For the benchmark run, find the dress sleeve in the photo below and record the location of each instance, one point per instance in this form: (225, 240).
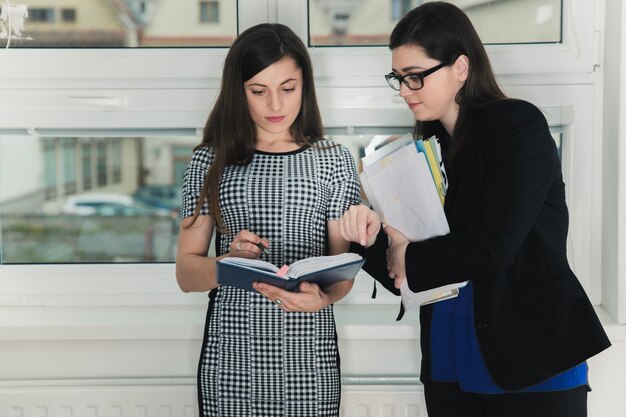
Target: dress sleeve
(345, 185)
(193, 180)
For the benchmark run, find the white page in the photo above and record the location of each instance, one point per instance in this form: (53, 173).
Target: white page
(369, 193)
(412, 300)
(389, 148)
(318, 263)
(405, 194)
(400, 188)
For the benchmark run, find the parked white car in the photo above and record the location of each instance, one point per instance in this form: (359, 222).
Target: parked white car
(103, 204)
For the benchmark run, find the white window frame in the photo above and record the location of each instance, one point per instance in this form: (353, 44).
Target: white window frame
(160, 90)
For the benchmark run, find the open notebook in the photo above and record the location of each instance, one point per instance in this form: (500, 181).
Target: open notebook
(322, 270)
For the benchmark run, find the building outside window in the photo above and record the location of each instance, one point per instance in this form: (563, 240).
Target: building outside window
(87, 166)
(50, 170)
(101, 164)
(120, 24)
(400, 7)
(69, 165)
(369, 22)
(116, 160)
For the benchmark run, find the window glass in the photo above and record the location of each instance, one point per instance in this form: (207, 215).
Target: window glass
(87, 165)
(69, 165)
(52, 210)
(369, 22)
(119, 23)
(361, 145)
(50, 170)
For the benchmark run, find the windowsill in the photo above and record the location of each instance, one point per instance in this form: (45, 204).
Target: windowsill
(55, 323)
(354, 322)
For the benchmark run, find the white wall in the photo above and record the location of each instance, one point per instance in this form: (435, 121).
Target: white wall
(607, 377)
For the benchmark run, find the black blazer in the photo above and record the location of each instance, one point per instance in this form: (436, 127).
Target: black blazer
(508, 219)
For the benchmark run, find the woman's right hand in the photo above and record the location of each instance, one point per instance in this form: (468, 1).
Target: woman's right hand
(360, 224)
(246, 245)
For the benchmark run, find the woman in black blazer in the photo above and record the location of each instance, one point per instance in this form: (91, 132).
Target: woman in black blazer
(516, 340)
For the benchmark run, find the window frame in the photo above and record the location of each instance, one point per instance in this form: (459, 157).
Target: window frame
(577, 53)
(165, 89)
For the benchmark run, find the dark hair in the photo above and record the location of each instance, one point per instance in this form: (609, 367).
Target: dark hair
(229, 129)
(445, 32)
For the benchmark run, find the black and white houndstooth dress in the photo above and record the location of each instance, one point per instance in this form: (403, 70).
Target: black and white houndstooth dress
(257, 360)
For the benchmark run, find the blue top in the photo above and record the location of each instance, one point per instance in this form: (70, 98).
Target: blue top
(456, 356)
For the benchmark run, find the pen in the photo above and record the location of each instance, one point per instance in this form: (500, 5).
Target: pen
(262, 248)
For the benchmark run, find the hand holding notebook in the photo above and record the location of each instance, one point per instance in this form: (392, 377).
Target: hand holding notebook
(322, 270)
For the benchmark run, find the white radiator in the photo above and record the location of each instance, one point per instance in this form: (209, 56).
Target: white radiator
(142, 399)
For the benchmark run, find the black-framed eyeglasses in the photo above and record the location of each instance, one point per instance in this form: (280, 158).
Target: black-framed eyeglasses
(414, 81)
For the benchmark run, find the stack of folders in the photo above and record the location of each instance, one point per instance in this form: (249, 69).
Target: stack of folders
(404, 183)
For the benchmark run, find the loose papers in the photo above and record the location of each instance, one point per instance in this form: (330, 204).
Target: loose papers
(403, 189)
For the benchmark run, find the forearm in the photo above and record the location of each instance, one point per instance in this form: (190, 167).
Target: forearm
(196, 273)
(376, 262)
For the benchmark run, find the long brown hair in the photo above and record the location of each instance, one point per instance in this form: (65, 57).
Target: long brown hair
(229, 129)
(445, 32)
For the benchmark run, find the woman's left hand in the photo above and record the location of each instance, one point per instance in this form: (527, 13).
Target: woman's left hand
(396, 253)
(310, 298)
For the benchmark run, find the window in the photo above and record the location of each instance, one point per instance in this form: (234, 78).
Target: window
(87, 166)
(209, 11)
(517, 21)
(50, 170)
(497, 22)
(68, 15)
(116, 160)
(180, 160)
(145, 96)
(364, 143)
(41, 15)
(400, 7)
(101, 163)
(129, 219)
(121, 24)
(69, 161)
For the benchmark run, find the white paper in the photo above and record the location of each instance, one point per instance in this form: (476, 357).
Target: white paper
(400, 188)
(389, 148)
(405, 195)
(412, 300)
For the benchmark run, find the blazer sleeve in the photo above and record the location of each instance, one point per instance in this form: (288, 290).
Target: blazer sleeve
(375, 261)
(516, 166)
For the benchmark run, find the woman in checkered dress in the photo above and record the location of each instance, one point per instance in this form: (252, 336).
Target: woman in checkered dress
(264, 178)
